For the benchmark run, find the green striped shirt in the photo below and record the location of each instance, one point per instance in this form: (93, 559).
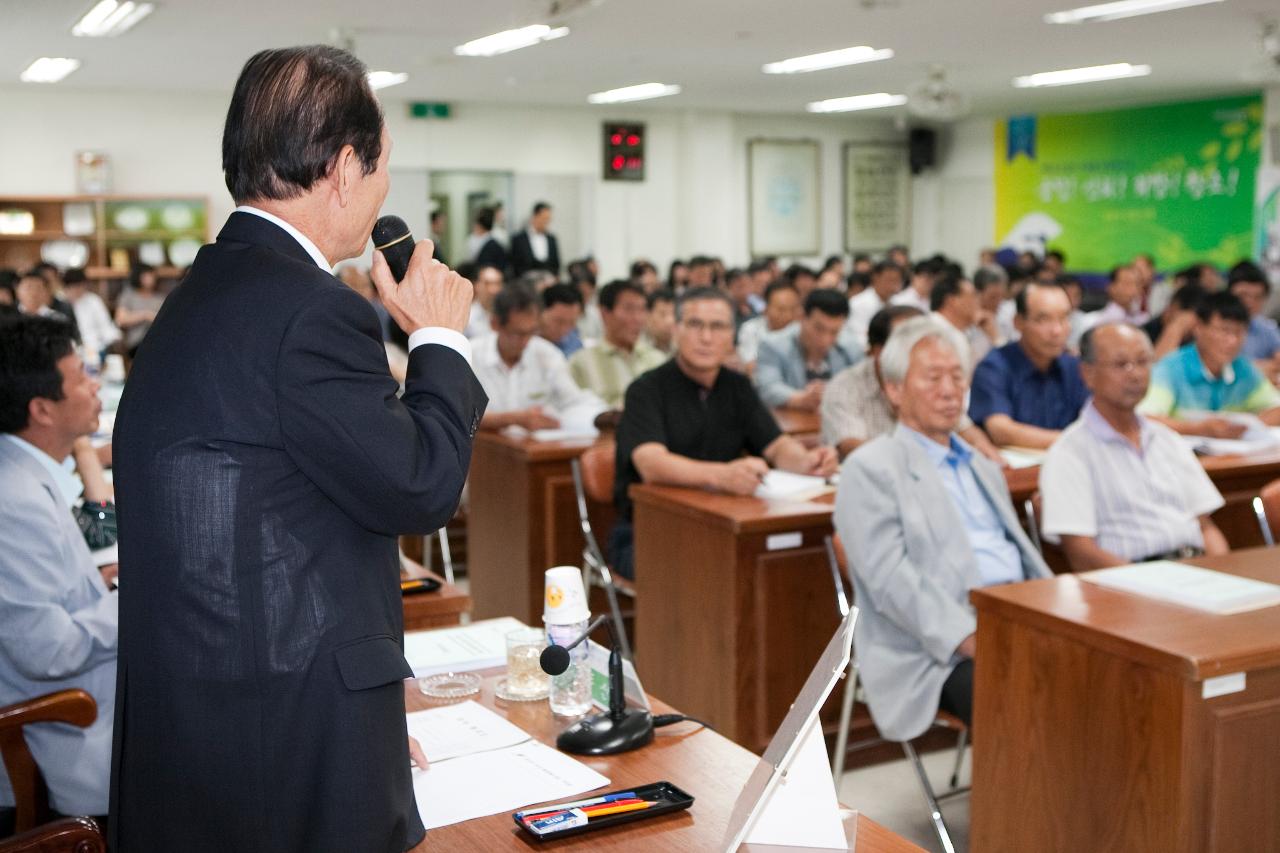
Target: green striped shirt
(606, 370)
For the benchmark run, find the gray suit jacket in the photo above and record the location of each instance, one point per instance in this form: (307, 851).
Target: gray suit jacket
(58, 628)
(780, 367)
(912, 569)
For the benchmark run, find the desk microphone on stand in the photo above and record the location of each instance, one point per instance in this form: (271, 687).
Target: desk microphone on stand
(619, 729)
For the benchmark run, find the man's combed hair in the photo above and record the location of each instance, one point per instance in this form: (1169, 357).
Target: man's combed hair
(292, 111)
(30, 348)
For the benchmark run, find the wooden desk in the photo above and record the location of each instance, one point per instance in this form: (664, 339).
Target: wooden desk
(701, 762)
(734, 604)
(522, 519)
(798, 423)
(1093, 731)
(440, 609)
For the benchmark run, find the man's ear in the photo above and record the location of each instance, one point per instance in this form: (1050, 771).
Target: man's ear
(344, 174)
(894, 392)
(40, 412)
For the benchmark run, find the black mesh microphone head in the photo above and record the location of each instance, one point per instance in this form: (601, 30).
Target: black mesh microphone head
(391, 237)
(554, 660)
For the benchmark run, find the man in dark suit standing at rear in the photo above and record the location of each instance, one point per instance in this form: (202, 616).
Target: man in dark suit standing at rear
(264, 467)
(535, 247)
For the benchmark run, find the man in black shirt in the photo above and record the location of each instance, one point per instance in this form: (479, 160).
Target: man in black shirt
(689, 422)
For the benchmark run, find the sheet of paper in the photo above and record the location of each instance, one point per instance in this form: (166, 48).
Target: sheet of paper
(476, 646)
(461, 729)
(1018, 457)
(783, 485)
(499, 781)
(565, 433)
(1189, 586)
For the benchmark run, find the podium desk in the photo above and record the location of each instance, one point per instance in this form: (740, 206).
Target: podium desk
(522, 519)
(1092, 730)
(734, 604)
(711, 768)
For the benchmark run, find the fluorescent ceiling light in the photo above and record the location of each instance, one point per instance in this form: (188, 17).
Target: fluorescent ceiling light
(1118, 10)
(830, 59)
(49, 69)
(111, 18)
(641, 92)
(509, 40)
(1092, 74)
(383, 79)
(857, 102)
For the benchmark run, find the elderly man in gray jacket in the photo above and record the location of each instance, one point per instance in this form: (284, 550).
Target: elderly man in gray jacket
(58, 620)
(924, 519)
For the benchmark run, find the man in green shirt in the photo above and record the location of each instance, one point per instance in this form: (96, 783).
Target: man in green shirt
(606, 368)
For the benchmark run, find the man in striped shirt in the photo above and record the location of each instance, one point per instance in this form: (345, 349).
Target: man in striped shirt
(1118, 487)
(608, 367)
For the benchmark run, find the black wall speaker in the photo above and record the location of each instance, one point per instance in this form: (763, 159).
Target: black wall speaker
(922, 148)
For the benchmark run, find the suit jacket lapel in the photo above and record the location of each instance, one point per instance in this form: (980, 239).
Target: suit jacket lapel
(940, 515)
(1012, 525)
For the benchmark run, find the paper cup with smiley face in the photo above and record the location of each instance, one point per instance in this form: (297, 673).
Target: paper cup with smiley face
(565, 602)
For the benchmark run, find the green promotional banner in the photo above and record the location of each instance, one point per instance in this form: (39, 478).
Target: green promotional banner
(1175, 181)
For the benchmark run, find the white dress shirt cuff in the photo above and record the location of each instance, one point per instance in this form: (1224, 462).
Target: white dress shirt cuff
(455, 341)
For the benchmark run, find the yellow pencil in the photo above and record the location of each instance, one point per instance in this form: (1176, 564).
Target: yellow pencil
(632, 807)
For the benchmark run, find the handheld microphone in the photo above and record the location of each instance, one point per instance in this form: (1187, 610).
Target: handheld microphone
(391, 237)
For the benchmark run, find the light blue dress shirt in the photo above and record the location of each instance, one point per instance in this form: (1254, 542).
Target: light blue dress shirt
(997, 556)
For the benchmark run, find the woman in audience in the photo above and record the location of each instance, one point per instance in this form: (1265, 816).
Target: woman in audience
(677, 276)
(138, 306)
(97, 332)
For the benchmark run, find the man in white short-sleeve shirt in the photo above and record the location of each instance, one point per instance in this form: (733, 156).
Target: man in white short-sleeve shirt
(1118, 487)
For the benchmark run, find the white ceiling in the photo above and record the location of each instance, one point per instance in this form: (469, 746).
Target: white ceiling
(713, 48)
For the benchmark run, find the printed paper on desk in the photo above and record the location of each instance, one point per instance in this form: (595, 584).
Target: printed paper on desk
(479, 645)
(783, 485)
(489, 783)
(1189, 586)
(1018, 457)
(462, 729)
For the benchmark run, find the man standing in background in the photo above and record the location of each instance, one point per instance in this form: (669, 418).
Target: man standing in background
(535, 247)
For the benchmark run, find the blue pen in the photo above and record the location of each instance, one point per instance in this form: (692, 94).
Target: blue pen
(560, 807)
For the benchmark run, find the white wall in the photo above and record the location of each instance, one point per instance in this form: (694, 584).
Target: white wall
(692, 200)
(953, 204)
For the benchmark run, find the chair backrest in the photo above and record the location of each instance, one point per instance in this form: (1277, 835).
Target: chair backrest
(839, 572)
(67, 835)
(1032, 508)
(1270, 496)
(598, 471)
(31, 797)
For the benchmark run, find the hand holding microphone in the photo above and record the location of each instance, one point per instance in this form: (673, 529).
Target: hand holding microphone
(428, 293)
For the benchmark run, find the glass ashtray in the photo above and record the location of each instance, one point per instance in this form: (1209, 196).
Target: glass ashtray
(503, 691)
(450, 685)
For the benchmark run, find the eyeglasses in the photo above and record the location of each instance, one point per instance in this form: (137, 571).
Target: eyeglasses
(700, 326)
(1127, 366)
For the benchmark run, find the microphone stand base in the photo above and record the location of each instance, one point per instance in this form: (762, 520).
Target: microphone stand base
(600, 734)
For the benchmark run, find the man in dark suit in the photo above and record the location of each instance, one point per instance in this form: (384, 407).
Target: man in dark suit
(535, 247)
(264, 468)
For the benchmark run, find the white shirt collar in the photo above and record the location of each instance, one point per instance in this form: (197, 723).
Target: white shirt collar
(63, 473)
(303, 240)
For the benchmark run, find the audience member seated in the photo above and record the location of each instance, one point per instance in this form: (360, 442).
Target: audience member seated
(1124, 299)
(1249, 283)
(645, 276)
(1080, 320)
(701, 272)
(93, 320)
(924, 521)
(1156, 293)
(138, 306)
(886, 280)
(1174, 327)
(558, 322)
(690, 422)
(1117, 487)
(918, 292)
(487, 282)
(855, 408)
(992, 284)
(526, 378)
(795, 364)
(608, 366)
(1026, 392)
(803, 279)
(781, 310)
(358, 280)
(660, 327)
(582, 279)
(761, 277)
(955, 300)
(738, 286)
(677, 276)
(58, 620)
(1210, 375)
(36, 299)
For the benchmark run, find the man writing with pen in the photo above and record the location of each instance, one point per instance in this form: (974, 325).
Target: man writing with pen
(691, 422)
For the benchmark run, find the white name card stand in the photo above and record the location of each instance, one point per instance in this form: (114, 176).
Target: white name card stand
(790, 799)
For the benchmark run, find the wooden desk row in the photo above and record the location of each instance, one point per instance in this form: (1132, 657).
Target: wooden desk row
(707, 765)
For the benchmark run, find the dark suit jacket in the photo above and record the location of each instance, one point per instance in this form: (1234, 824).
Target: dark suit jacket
(492, 254)
(264, 468)
(522, 259)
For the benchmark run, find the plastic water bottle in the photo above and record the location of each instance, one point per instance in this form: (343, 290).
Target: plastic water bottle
(571, 690)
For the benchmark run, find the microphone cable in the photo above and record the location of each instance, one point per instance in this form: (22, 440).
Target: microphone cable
(671, 719)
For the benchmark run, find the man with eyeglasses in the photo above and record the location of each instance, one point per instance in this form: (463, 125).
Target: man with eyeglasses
(1026, 392)
(1211, 375)
(691, 422)
(1118, 487)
